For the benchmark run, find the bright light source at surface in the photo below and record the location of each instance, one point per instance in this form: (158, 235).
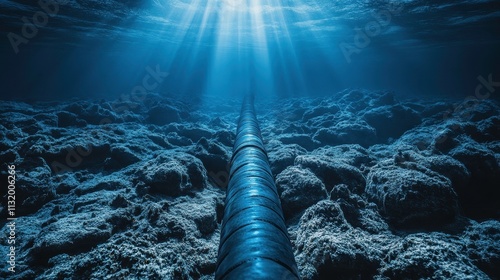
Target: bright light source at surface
(237, 5)
(230, 47)
(246, 44)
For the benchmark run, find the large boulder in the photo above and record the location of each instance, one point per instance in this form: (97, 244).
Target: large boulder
(327, 245)
(282, 156)
(33, 187)
(299, 188)
(357, 211)
(350, 131)
(163, 114)
(479, 198)
(428, 256)
(412, 198)
(173, 173)
(333, 172)
(215, 158)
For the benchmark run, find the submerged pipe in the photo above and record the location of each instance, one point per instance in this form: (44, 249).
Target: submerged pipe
(254, 242)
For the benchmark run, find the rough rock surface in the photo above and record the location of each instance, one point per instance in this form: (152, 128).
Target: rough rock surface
(173, 173)
(481, 243)
(410, 197)
(372, 186)
(428, 256)
(332, 172)
(327, 244)
(299, 188)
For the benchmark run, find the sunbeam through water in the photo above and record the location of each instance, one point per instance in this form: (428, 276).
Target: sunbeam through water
(367, 145)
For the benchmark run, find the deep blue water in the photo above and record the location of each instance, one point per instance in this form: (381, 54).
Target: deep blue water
(103, 49)
(375, 179)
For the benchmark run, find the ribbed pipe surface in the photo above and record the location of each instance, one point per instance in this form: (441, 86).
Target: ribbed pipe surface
(254, 242)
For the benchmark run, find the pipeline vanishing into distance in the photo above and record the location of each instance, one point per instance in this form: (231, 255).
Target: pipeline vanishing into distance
(254, 242)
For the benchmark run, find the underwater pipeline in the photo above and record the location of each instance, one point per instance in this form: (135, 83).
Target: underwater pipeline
(254, 242)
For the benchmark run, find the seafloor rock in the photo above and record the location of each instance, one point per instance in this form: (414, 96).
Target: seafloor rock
(476, 110)
(70, 235)
(160, 140)
(67, 119)
(489, 130)
(392, 121)
(292, 109)
(382, 99)
(437, 109)
(215, 158)
(108, 183)
(352, 154)
(91, 113)
(450, 168)
(303, 140)
(217, 122)
(408, 157)
(299, 188)
(70, 151)
(346, 132)
(479, 198)
(281, 156)
(195, 133)
(202, 213)
(326, 245)
(168, 226)
(320, 110)
(421, 137)
(351, 254)
(325, 214)
(225, 137)
(33, 188)
(122, 156)
(333, 172)
(412, 198)
(160, 242)
(482, 243)
(357, 211)
(163, 114)
(354, 100)
(8, 155)
(327, 120)
(428, 256)
(173, 173)
(134, 253)
(471, 166)
(21, 120)
(294, 128)
(175, 139)
(447, 136)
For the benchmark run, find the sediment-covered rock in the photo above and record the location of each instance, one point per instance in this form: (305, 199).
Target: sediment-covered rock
(173, 174)
(412, 198)
(299, 188)
(282, 156)
(432, 255)
(333, 172)
(326, 244)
